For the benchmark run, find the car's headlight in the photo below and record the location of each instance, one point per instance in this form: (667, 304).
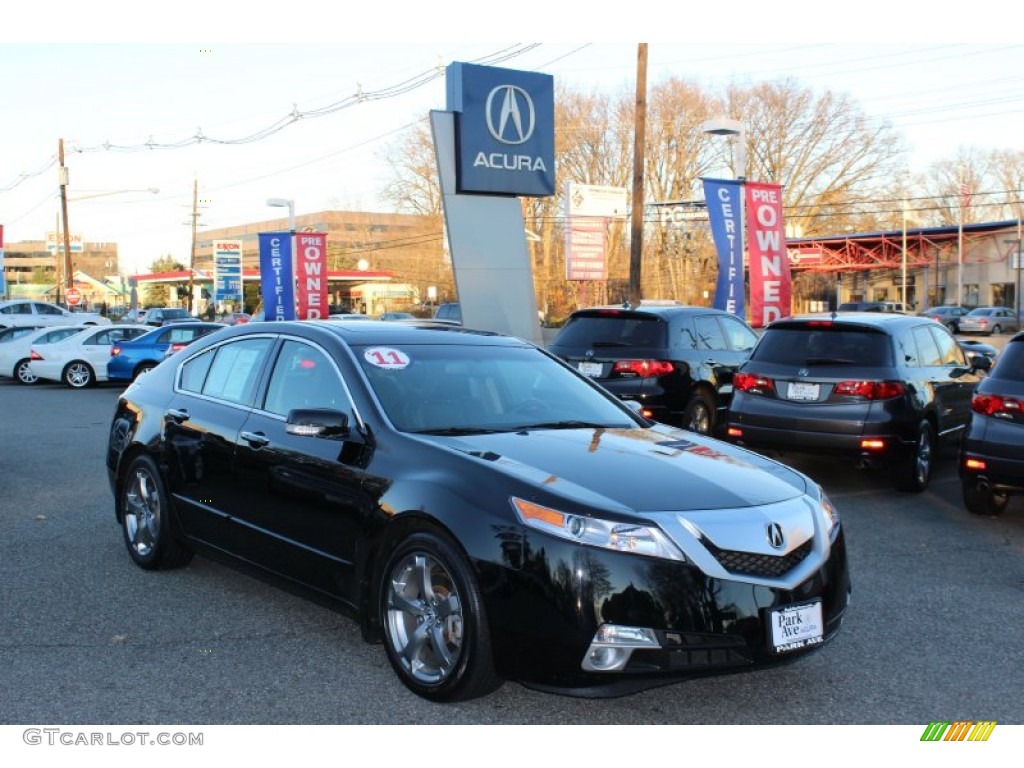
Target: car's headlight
(608, 534)
(831, 514)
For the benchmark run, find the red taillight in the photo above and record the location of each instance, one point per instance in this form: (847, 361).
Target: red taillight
(644, 368)
(995, 405)
(33, 355)
(177, 347)
(820, 323)
(747, 382)
(115, 351)
(871, 390)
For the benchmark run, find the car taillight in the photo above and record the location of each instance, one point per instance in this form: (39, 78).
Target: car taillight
(644, 368)
(748, 382)
(871, 390)
(176, 347)
(33, 355)
(115, 351)
(995, 405)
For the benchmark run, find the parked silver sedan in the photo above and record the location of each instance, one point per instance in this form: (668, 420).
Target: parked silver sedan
(989, 320)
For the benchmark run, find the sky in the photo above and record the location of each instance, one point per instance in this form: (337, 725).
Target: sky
(129, 99)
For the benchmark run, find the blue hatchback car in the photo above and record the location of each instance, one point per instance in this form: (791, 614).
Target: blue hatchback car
(129, 359)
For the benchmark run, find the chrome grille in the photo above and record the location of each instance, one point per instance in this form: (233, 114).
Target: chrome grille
(756, 564)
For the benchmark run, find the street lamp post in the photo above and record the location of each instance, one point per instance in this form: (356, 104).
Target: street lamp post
(737, 134)
(284, 202)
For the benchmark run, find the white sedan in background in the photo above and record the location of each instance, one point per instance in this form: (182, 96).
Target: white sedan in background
(15, 354)
(81, 360)
(30, 312)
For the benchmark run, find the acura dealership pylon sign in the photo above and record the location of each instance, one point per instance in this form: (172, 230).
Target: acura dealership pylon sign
(504, 130)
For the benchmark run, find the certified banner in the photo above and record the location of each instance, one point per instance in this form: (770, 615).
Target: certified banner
(277, 278)
(227, 272)
(770, 283)
(311, 271)
(725, 213)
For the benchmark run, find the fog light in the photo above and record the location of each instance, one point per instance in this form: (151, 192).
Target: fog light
(613, 645)
(872, 444)
(734, 432)
(975, 464)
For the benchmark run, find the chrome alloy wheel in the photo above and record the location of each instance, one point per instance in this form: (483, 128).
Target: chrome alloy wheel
(923, 457)
(78, 375)
(23, 372)
(424, 617)
(142, 512)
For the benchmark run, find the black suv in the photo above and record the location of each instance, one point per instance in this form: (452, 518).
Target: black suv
(880, 388)
(675, 361)
(991, 462)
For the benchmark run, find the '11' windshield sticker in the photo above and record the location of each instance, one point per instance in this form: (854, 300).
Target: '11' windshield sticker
(386, 357)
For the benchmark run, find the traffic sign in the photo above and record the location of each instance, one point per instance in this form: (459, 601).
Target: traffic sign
(72, 296)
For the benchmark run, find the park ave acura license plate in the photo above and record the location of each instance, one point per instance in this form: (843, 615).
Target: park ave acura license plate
(796, 626)
(589, 369)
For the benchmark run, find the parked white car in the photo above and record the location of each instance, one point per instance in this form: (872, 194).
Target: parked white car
(14, 355)
(81, 359)
(30, 312)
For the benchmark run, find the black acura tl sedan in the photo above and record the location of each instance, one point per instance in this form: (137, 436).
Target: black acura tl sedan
(478, 506)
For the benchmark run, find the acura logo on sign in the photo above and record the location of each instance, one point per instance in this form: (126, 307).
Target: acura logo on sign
(775, 536)
(510, 114)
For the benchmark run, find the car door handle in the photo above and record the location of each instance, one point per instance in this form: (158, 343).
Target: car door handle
(255, 439)
(177, 415)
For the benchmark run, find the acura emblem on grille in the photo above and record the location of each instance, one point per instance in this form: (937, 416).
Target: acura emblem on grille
(775, 536)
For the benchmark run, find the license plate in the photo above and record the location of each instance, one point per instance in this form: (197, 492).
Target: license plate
(796, 626)
(590, 369)
(799, 390)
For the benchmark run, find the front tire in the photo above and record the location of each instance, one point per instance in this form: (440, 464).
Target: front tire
(78, 375)
(433, 620)
(145, 519)
(23, 372)
(912, 472)
(985, 501)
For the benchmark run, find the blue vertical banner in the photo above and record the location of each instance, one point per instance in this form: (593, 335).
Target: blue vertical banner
(227, 272)
(725, 213)
(277, 275)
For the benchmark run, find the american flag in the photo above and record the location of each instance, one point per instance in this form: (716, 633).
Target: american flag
(965, 194)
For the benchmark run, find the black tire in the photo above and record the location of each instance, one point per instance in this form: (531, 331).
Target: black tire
(143, 368)
(996, 329)
(78, 375)
(913, 472)
(699, 414)
(23, 372)
(433, 621)
(952, 327)
(983, 501)
(146, 521)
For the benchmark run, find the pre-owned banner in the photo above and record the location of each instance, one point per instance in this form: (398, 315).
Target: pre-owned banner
(725, 213)
(311, 273)
(277, 278)
(770, 284)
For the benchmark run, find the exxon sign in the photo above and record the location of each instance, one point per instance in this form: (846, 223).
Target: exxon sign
(504, 130)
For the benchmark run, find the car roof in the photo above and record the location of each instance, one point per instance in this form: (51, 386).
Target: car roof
(368, 332)
(661, 310)
(880, 320)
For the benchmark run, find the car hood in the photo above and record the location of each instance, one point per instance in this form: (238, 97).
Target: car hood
(635, 470)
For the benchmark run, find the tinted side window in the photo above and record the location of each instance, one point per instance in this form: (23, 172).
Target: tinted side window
(193, 373)
(949, 351)
(303, 377)
(235, 370)
(45, 309)
(927, 349)
(740, 337)
(906, 350)
(1011, 363)
(709, 333)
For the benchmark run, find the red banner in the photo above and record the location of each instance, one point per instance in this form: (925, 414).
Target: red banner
(770, 285)
(311, 275)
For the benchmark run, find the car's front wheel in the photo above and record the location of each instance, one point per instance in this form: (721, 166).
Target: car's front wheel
(912, 472)
(145, 519)
(433, 619)
(699, 414)
(78, 375)
(23, 372)
(982, 500)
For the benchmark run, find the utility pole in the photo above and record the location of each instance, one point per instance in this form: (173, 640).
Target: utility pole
(636, 243)
(69, 277)
(192, 256)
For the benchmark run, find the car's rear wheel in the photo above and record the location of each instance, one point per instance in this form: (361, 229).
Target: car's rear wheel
(78, 375)
(699, 414)
(145, 519)
(952, 327)
(433, 619)
(982, 500)
(912, 472)
(144, 368)
(23, 372)
(996, 329)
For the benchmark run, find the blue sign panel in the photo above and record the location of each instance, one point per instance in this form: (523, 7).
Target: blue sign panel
(277, 276)
(504, 130)
(725, 214)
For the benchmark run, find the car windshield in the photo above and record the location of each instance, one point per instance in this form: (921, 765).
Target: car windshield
(174, 314)
(824, 345)
(455, 389)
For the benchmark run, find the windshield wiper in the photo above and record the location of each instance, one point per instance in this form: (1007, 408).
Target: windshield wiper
(568, 424)
(459, 431)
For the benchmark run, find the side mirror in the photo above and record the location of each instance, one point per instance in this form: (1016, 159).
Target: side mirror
(979, 362)
(317, 422)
